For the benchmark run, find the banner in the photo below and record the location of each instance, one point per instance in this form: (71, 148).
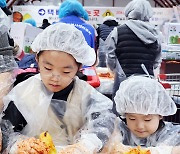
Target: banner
(96, 14)
(38, 13)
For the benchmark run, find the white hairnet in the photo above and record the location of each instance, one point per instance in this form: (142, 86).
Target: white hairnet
(66, 38)
(139, 10)
(143, 95)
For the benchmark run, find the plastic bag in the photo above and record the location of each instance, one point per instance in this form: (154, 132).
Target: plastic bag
(114, 140)
(4, 20)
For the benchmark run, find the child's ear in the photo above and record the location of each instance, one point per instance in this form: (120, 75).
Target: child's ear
(160, 117)
(37, 60)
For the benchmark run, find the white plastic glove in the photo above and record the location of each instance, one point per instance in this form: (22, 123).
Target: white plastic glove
(161, 150)
(176, 150)
(88, 144)
(119, 148)
(13, 149)
(76, 148)
(91, 142)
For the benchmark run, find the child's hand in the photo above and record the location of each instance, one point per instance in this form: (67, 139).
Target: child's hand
(119, 148)
(163, 150)
(176, 150)
(77, 148)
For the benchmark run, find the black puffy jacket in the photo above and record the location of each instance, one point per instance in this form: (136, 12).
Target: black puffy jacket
(105, 29)
(132, 52)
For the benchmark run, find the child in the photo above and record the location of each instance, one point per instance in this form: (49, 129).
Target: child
(142, 102)
(56, 100)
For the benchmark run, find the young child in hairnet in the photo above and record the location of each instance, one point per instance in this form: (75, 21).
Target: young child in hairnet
(142, 102)
(56, 100)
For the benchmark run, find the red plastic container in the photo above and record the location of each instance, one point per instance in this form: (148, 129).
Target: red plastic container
(92, 77)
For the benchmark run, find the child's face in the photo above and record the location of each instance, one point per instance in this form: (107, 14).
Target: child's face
(57, 69)
(141, 125)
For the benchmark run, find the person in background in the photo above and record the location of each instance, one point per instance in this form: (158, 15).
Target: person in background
(56, 100)
(142, 102)
(7, 66)
(4, 20)
(109, 22)
(134, 47)
(3, 6)
(45, 24)
(72, 12)
(30, 21)
(17, 17)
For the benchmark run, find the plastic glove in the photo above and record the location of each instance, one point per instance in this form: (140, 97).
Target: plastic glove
(77, 148)
(91, 141)
(88, 144)
(176, 150)
(119, 148)
(161, 150)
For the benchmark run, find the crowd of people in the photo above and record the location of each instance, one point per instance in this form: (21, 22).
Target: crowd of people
(80, 119)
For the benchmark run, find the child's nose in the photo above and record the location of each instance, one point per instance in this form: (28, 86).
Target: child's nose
(140, 125)
(55, 77)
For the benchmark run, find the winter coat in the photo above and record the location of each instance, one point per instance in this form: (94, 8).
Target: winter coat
(131, 52)
(105, 29)
(126, 52)
(102, 33)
